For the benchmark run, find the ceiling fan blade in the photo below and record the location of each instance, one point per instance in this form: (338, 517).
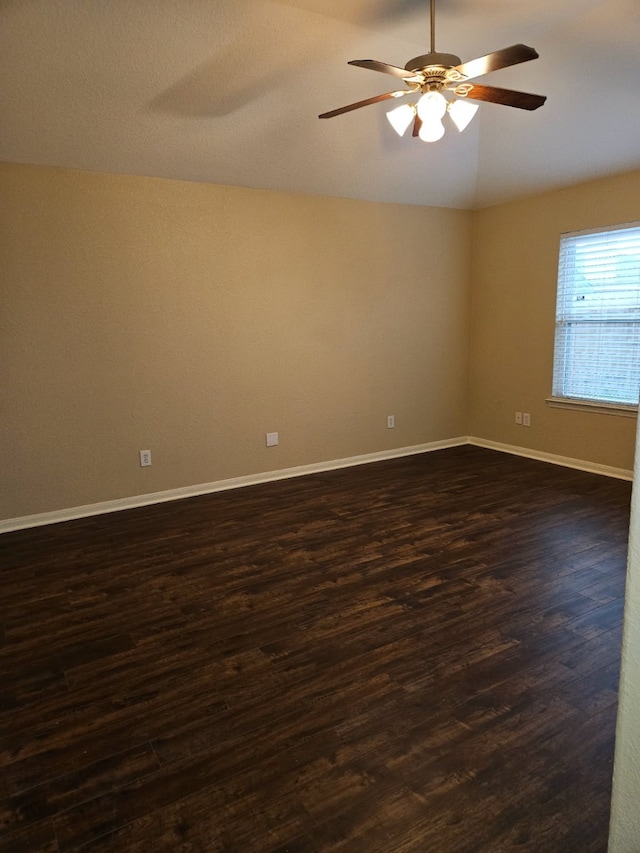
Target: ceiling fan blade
(417, 124)
(358, 104)
(374, 65)
(508, 97)
(499, 59)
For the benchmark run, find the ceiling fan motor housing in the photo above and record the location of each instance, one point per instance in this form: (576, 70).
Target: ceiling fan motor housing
(446, 60)
(435, 70)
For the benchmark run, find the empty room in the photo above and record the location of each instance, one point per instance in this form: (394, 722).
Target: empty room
(318, 426)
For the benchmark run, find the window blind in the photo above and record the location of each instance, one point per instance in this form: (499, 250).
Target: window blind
(597, 341)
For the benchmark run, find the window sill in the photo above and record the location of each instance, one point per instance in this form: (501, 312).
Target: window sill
(620, 409)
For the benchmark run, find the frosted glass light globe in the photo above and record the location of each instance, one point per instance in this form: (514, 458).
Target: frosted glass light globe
(401, 118)
(431, 108)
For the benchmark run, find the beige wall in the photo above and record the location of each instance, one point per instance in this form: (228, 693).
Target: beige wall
(191, 319)
(515, 260)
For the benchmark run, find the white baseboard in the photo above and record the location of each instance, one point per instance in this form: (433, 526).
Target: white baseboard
(565, 461)
(44, 518)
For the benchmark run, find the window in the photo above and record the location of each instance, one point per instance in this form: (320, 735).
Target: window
(597, 342)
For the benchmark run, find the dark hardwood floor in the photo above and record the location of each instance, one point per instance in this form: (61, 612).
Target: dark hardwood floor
(419, 655)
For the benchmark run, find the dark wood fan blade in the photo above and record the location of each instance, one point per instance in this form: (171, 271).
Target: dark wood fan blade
(374, 65)
(508, 97)
(499, 59)
(417, 124)
(358, 104)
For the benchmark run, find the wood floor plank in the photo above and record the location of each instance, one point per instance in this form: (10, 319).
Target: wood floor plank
(38, 837)
(74, 788)
(418, 654)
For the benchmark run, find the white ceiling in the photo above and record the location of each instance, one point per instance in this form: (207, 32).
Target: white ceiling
(228, 91)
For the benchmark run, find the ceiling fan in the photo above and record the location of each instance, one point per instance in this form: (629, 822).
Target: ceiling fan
(433, 74)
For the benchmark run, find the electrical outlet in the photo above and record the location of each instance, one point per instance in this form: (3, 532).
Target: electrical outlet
(391, 421)
(518, 417)
(526, 419)
(145, 458)
(272, 439)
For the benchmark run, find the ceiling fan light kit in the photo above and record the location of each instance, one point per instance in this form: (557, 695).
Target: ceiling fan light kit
(434, 75)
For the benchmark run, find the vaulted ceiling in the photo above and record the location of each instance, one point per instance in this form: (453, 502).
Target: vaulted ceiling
(228, 91)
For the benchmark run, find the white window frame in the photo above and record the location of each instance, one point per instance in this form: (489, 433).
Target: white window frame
(579, 320)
